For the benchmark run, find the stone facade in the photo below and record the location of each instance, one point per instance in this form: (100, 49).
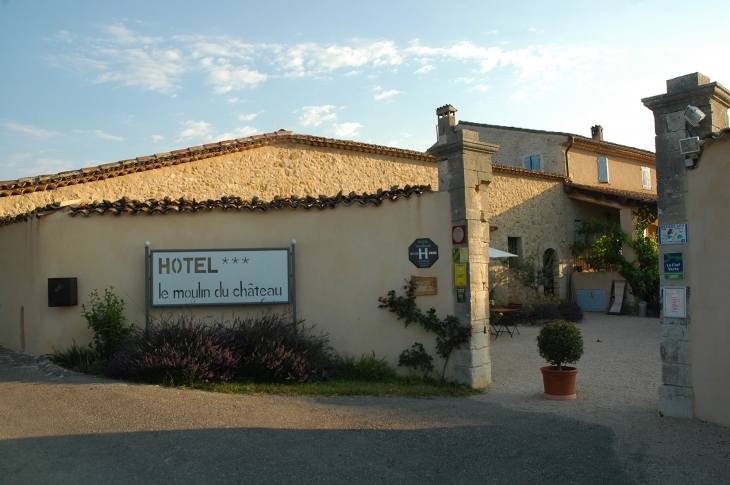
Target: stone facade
(533, 208)
(266, 172)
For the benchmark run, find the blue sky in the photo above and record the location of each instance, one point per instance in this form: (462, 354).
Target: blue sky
(91, 82)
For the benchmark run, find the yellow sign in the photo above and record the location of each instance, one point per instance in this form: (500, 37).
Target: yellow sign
(460, 274)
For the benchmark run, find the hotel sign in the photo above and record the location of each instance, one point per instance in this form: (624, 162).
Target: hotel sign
(219, 277)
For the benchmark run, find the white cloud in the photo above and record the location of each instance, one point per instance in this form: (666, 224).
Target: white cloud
(233, 100)
(387, 94)
(248, 116)
(43, 166)
(15, 158)
(196, 129)
(316, 115)
(240, 132)
(355, 72)
(466, 80)
(425, 69)
(346, 129)
(122, 35)
(309, 58)
(157, 138)
(29, 129)
(481, 87)
(100, 134)
(227, 78)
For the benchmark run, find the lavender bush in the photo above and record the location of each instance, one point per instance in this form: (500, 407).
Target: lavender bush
(263, 349)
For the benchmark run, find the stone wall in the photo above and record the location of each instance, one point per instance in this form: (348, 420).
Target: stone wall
(535, 209)
(264, 172)
(516, 144)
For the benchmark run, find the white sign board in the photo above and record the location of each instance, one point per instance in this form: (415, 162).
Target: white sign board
(675, 301)
(220, 277)
(673, 233)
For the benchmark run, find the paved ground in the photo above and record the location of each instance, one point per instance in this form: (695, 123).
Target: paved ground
(60, 427)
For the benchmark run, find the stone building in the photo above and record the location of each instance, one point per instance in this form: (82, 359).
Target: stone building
(545, 184)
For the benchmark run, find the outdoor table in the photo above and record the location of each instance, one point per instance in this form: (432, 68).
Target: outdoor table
(503, 324)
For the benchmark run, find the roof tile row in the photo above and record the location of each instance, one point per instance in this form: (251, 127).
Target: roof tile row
(153, 206)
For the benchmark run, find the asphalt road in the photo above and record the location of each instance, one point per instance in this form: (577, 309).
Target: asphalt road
(66, 428)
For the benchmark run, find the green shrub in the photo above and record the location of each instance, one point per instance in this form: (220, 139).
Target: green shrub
(106, 318)
(417, 360)
(560, 343)
(367, 368)
(77, 358)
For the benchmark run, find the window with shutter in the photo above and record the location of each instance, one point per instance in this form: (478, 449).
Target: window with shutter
(533, 161)
(603, 169)
(646, 177)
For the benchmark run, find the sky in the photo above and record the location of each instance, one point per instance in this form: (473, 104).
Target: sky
(89, 82)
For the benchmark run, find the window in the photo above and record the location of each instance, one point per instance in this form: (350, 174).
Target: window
(514, 246)
(577, 226)
(603, 169)
(533, 161)
(646, 177)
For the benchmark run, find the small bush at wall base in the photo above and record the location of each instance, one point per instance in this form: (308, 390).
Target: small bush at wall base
(105, 316)
(417, 360)
(77, 358)
(367, 368)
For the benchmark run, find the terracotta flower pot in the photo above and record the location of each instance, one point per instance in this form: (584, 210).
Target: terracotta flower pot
(559, 384)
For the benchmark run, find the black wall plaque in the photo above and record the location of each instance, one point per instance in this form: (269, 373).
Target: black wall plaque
(62, 292)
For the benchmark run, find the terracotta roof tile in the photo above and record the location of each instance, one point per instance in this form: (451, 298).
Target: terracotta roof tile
(526, 171)
(152, 206)
(597, 192)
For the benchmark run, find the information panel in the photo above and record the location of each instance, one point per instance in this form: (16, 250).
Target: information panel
(219, 277)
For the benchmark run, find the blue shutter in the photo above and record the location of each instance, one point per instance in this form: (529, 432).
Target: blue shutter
(603, 169)
(532, 162)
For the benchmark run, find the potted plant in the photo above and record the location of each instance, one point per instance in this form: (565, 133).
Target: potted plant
(559, 343)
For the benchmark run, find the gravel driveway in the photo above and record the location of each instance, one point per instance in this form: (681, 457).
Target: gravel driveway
(60, 427)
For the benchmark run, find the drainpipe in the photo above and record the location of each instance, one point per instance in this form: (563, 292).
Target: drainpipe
(567, 165)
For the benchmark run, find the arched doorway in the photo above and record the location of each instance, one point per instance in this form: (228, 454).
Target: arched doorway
(549, 271)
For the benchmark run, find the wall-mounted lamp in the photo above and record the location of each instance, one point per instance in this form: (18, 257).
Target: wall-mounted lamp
(691, 148)
(693, 115)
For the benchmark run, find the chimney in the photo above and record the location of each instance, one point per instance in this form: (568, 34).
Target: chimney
(447, 120)
(597, 132)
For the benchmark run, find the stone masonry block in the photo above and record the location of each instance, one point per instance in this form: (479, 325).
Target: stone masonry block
(479, 339)
(471, 358)
(670, 164)
(676, 374)
(474, 377)
(672, 209)
(675, 121)
(674, 186)
(675, 351)
(675, 401)
(669, 142)
(686, 82)
(458, 205)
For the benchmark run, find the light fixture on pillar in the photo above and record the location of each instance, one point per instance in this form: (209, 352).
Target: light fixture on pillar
(693, 115)
(691, 148)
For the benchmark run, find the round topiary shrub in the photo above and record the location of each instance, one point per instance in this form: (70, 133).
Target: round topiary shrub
(560, 343)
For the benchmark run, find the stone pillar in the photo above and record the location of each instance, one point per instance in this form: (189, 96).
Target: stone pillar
(628, 225)
(465, 170)
(675, 392)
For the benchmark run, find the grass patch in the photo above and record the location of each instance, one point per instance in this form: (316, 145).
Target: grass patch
(78, 359)
(394, 386)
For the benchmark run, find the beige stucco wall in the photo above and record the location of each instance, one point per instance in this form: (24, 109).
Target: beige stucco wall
(623, 173)
(706, 272)
(264, 172)
(347, 257)
(534, 209)
(515, 145)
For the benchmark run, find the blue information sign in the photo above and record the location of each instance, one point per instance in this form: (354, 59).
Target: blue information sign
(673, 266)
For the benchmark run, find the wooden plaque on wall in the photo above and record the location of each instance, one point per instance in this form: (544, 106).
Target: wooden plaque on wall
(425, 285)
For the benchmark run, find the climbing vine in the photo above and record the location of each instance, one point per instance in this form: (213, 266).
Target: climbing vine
(450, 333)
